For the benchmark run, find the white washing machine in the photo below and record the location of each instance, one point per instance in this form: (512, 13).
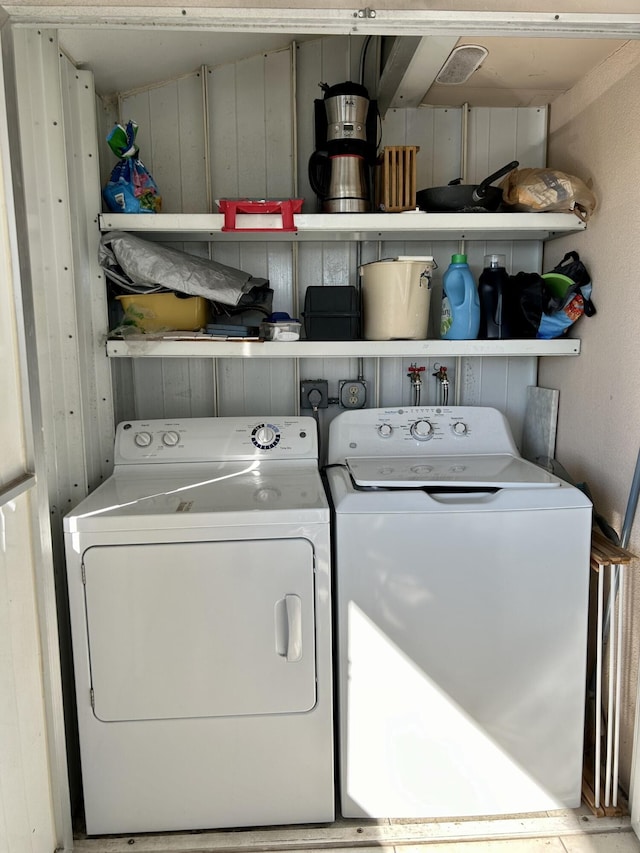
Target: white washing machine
(461, 576)
(200, 597)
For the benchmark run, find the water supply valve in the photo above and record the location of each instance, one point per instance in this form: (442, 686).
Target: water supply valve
(414, 375)
(443, 379)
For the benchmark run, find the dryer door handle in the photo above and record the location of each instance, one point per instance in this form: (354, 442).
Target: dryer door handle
(293, 605)
(289, 628)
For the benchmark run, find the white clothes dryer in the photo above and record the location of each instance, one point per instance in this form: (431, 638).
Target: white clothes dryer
(200, 603)
(461, 582)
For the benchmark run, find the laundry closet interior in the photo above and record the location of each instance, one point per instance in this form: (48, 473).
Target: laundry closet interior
(225, 109)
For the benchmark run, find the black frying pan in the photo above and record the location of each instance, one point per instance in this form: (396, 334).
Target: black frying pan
(465, 198)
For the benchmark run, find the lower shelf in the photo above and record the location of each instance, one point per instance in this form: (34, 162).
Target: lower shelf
(205, 347)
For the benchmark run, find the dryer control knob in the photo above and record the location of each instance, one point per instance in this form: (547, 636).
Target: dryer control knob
(171, 438)
(422, 430)
(460, 428)
(385, 430)
(143, 439)
(265, 436)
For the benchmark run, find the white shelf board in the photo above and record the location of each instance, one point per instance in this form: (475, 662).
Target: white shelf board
(412, 225)
(207, 348)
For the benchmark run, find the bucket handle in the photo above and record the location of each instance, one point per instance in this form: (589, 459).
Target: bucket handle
(434, 265)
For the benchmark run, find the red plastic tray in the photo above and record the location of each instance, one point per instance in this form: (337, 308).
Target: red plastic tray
(286, 208)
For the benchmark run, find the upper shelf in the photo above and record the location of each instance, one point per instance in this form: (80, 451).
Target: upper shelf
(208, 347)
(412, 225)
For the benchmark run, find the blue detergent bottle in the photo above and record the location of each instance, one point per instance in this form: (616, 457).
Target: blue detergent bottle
(460, 317)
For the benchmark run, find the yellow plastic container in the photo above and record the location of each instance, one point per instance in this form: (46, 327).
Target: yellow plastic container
(152, 312)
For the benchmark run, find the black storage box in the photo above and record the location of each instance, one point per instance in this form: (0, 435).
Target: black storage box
(331, 313)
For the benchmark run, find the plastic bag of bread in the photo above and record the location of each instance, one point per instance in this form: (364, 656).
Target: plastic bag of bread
(547, 190)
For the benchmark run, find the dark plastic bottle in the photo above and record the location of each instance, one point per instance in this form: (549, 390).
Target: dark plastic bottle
(492, 290)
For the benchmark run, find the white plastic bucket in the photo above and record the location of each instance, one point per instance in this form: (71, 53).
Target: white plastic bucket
(396, 295)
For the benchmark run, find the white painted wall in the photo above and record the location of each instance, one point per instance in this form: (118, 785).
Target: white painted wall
(594, 131)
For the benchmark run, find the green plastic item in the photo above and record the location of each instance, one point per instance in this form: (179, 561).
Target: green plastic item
(458, 259)
(557, 283)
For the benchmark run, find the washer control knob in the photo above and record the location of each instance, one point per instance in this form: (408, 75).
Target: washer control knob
(265, 436)
(460, 428)
(421, 430)
(385, 430)
(143, 439)
(171, 438)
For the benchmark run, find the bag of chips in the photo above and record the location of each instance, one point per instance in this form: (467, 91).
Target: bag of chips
(130, 188)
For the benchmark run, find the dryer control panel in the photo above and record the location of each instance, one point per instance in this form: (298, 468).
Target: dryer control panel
(411, 430)
(215, 440)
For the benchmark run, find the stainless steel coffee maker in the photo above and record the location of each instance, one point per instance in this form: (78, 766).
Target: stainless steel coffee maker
(340, 167)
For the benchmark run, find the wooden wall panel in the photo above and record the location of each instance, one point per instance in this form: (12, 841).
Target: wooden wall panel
(171, 138)
(106, 117)
(252, 156)
(257, 387)
(499, 135)
(194, 180)
(171, 388)
(279, 160)
(223, 131)
(438, 133)
(251, 127)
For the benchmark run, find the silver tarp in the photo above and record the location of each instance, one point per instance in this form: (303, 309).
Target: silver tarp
(140, 266)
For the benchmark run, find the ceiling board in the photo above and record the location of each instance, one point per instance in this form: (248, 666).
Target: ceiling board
(524, 71)
(123, 60)
(518, 71)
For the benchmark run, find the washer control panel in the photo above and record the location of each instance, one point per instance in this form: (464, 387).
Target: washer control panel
(411, 430)
(215, 440)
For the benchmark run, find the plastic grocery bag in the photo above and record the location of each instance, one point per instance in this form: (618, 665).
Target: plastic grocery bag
(565, 309)
(536, 311)
(547, 190)
(130, 189)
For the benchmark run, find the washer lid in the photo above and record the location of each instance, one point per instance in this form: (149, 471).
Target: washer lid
(495, 471)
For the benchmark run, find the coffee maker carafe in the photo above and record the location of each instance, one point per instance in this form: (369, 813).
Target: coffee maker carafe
(345, 129)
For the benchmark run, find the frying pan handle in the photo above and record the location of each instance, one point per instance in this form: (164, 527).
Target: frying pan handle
(481, 190)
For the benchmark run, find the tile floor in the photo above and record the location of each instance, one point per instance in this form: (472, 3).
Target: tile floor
(570, 831)
(618, 842)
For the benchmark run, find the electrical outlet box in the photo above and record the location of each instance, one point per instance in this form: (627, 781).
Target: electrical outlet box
(353, 393)
(314, 394)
